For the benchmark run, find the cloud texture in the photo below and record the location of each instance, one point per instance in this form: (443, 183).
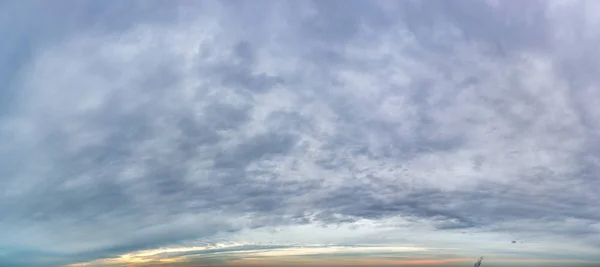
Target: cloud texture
(432, 124)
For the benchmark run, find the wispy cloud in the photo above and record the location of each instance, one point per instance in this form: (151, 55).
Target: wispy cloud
(133, 126)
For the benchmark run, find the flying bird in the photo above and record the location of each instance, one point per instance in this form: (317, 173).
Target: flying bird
(478, 263)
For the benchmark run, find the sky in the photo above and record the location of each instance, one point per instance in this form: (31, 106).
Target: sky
(299, 133)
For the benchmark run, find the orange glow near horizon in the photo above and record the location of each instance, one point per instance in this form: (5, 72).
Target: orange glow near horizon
(146, 256)
(294, 256)
(341, 262)
(326, 259)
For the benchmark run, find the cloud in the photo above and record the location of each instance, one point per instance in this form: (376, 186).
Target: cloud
(196, 121)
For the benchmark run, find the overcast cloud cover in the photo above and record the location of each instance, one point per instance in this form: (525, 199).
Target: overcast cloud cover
(299, 132)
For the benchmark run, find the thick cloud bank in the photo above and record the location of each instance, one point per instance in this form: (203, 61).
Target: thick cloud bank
(129, 126)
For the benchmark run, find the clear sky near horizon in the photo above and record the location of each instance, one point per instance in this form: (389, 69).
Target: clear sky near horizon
(299, 133)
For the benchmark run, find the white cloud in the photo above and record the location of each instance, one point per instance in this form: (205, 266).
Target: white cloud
(213, 127)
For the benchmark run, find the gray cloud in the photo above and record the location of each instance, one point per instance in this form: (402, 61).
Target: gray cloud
(181, 122)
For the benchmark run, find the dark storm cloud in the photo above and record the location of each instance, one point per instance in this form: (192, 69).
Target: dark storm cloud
(144, 131)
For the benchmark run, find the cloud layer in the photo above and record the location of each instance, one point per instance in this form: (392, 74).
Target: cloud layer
(135, 126)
